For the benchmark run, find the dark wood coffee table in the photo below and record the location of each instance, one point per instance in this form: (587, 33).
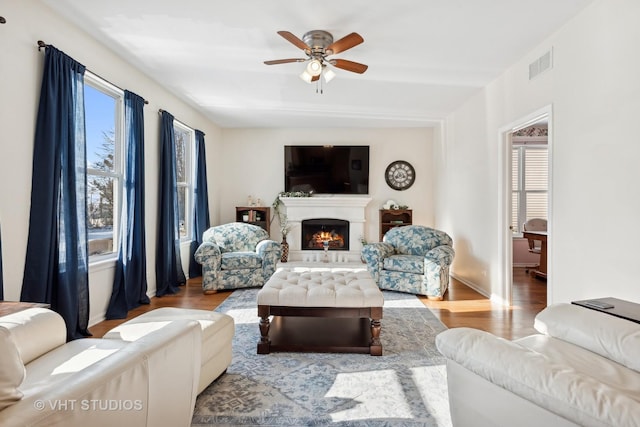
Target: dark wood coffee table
(316, 311)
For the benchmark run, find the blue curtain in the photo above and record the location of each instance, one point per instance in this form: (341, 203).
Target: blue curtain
(200, 205)
(169, 274)
(130, 280)
(56, 266)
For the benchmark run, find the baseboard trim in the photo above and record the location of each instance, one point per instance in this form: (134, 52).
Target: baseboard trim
(471, 285)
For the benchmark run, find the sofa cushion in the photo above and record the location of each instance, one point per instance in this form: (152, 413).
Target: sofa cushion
(47, 325)
(12, 370)
(240, 260)
(536, 377)
(405, 263)
(585, 362)
(235, 237)
(609, 336)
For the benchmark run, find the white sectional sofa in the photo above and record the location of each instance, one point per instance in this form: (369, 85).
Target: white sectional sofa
(217, 334)
(583, 368)
(150, 380)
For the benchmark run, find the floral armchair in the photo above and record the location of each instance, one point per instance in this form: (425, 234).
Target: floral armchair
(236, 255)
(413, 259)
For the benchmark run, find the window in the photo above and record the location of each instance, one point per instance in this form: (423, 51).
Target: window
(104, 139)
(185, 141)
(529, 183)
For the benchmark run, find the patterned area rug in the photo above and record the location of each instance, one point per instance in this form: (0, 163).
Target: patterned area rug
(405, 387)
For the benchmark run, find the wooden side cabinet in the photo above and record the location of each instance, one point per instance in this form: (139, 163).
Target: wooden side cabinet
(390, 218)
(256, 215)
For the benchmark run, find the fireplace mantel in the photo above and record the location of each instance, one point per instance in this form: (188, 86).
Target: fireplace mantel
(327, 201)
(350, 208)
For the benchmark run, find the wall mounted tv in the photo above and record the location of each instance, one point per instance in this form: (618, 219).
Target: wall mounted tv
(327, 169)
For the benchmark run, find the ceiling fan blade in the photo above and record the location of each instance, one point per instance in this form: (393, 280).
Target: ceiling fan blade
(294, 40)
(284, 61)
(354, 67)
(347, 42)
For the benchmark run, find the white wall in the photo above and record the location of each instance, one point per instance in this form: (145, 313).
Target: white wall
(254, 165)
(20, 74)
(594, 88)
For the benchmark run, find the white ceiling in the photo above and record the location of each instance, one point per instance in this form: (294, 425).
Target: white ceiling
(425, 57)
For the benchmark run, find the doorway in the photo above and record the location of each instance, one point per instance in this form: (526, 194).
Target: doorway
(525, 144)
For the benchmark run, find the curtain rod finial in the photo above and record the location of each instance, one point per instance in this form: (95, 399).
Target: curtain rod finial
(2, 20)
(41, 44)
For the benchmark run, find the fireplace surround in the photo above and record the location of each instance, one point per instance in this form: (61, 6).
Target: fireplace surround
(349, 208)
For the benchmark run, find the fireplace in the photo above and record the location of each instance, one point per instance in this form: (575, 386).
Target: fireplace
(350, 209)
(320, 232)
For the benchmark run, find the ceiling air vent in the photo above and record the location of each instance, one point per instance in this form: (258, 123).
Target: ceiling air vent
(540, 65)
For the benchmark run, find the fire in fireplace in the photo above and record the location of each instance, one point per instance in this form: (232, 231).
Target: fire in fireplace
(316, 233)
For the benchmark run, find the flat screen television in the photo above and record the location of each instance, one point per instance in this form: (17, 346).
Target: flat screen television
(327, 169)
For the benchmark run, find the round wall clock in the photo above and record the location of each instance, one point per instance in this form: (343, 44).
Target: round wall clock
(400, 175)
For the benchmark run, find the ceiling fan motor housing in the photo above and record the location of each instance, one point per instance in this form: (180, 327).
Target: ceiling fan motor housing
(317, 40)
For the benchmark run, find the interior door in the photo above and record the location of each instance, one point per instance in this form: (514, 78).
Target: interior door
(508, 135)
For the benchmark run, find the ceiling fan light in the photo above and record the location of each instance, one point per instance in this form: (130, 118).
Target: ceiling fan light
(328, 75)
(306, 76)
(314, 67)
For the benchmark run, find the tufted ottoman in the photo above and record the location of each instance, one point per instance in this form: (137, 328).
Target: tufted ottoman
(320, 310)
(217, 334)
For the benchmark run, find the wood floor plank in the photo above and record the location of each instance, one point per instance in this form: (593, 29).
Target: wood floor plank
(461, 306)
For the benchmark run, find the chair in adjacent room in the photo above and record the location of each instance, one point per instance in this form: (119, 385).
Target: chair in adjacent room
(535, 246)
(413, 259)
(236, 255)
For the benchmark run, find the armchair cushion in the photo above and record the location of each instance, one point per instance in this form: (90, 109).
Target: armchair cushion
(240, 260)
(235, 237)
(407, 263)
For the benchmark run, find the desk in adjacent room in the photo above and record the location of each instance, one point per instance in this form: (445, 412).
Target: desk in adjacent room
(541, 236)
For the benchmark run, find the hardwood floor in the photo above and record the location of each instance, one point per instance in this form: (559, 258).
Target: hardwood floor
(461, 306)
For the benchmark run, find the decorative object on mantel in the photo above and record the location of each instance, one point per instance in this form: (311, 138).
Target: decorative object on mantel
(282, 218)
(400, 175)
(277, 203)
(284, 230)
(285, 249)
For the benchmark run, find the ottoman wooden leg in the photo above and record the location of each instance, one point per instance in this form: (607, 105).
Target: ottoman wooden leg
(375, 344)
(264, 346)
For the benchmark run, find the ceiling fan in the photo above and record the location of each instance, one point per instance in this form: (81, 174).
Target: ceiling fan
(318, 45)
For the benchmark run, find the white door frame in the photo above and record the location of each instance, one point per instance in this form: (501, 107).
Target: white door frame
(505, 238)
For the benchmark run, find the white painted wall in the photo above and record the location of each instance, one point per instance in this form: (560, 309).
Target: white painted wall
(594, 88)
(20, 75)
(254, 165)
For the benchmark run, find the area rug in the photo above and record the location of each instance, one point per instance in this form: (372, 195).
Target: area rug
(406, 386)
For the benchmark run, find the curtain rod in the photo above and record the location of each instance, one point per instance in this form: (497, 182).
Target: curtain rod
(42, 45)
(160, 111)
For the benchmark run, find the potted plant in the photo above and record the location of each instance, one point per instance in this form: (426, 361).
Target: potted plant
(285, 227)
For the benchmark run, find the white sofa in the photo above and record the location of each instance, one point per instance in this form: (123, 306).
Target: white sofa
(583, 368)
(147, 381)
